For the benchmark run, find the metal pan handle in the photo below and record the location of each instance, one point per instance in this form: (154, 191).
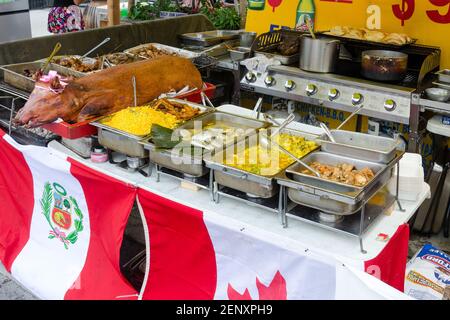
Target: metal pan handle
(237, 175)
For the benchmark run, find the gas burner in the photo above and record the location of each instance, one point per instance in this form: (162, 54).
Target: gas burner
(346, 89)
(329, 218)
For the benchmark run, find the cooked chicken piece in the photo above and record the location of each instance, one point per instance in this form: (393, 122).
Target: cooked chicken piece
(360, 179)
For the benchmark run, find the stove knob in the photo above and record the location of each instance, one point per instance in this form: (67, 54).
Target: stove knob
(357, 98)
(390, 105)
(311, 89)
(333, 94)
(269, 81)
(250, 77)
(289, 85)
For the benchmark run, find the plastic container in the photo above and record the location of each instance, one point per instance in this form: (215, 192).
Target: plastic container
(99, 155)
(411, 177)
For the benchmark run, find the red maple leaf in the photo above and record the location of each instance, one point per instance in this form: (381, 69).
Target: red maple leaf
(276, 290)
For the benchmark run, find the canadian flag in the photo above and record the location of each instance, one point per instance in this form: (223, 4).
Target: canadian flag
(203, 255)
(61, 224)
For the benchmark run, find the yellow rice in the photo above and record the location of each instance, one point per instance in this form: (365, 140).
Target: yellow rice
(139, 120)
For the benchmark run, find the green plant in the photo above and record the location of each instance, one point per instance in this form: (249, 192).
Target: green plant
(223, 18)
(148, 11)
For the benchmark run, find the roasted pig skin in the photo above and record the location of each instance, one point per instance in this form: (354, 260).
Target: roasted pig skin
(109, 90)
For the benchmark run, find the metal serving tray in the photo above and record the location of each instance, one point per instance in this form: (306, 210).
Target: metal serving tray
(62, 69)
(250, 183)
(127, 143)
(13, 74)
(208, 38)
(284, 60)
(168, 49)
(330, 196)
(192, 163)
(444, 75)
(360, 146)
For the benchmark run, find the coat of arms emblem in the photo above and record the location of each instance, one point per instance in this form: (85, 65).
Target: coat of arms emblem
(62, 214)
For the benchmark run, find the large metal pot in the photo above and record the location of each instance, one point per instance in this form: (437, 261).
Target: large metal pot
(318, 55)
(384, 65)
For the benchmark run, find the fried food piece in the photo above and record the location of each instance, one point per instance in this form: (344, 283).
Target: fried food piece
(373, 35)
(344, 172)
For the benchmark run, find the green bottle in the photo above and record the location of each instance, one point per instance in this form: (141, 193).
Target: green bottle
(305, 11)
(256, 4)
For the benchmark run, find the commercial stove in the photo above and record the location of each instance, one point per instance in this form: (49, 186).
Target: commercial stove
(346, 89)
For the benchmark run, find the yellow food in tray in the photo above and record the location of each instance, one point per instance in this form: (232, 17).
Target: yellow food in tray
(139, 120)
(269, 161)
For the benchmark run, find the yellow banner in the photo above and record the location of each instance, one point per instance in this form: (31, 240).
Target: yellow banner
(425, 20)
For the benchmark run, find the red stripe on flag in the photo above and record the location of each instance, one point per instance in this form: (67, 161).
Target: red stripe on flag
(390, 265)
(16, 202)
(109, 203)
(182, 257)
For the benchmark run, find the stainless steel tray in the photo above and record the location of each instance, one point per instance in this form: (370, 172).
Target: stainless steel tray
(250, 183)
(13, 74)
(208, 38)
(333, 197)
(61, 68)
(192, 163)
(239, 53)
(360, 146)
(127, 143)
(170, 50)
(444, 75)
(284, 60)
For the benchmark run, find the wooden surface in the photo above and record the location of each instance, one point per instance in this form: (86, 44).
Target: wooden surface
(113, 12)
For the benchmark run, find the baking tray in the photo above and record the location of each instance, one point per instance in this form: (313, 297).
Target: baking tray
(444, 75)
(247, 182)
(284, 60)
(61, 68)
(360, 146)
(366, 42)
(192, 164)
(168, 49)
(208, 38)
(13, 74)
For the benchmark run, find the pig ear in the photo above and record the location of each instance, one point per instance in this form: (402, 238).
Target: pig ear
(96, 106)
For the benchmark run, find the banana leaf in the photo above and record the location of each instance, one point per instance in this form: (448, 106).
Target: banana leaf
(163, 138)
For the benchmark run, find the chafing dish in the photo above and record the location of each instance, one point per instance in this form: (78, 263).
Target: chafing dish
(167, 49)
(208, 38)
(187, 158)
(252, 184)
(331, 196)
(360, 146)
(13, 74)
(127, 143)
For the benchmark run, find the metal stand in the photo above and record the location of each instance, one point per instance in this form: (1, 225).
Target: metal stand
(361, 229)
(397, 188)
(282, 206)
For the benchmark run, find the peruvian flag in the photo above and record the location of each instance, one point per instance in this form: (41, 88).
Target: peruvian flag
(202, 255)
(61, 224)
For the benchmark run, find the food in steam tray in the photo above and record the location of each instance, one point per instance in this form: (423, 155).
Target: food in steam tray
(370, 35)
(265, 161)
(344, 172)
(151, 52)
(120, 58)
(78, 64)
(289, 46)
(139, 120)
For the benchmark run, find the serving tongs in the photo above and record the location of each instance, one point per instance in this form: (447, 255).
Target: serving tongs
(54, 52)
(264, 140)
(327, 130)
(95, 48)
